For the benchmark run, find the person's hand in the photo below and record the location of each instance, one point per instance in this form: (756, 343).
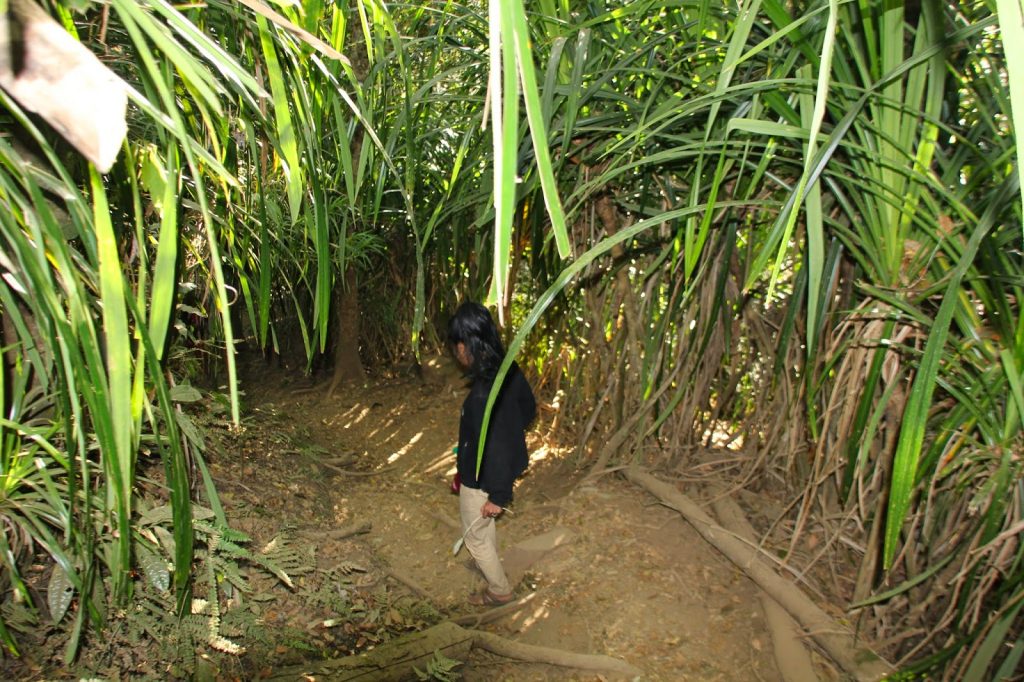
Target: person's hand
(490, 510)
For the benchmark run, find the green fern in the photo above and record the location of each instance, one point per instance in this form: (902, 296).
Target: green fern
(332, 590)
(19, 616)
(440, 668)
(223, 558)
(149, 622)
(224, 551)
(419, 614)
(283, 559)
(216, 541)
(278, 558)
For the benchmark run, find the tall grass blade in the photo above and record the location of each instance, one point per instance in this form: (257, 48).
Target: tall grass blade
(915, 415)
(505, 136)
(165, 282)
(1011, 24)
(994, 641)
(814, 236)
(286, 137)
(117, 452)
(176, 472)
(538, 127)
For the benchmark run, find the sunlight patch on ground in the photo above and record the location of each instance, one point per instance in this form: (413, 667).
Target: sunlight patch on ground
(377, 430)
(347, 414)
(540, 454)
(539, 613)
(405, 448)
(446, 458)
(362, 415)
(350, 411)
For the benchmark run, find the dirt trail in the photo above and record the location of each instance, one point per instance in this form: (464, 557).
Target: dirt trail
(633, 580)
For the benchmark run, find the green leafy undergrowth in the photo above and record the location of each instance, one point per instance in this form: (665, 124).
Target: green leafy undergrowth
(149, 638)
(243, 621)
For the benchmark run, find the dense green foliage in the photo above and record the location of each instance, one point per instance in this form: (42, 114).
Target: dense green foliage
(797, 225)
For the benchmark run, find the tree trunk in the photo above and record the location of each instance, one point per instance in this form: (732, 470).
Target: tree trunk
(347, 364)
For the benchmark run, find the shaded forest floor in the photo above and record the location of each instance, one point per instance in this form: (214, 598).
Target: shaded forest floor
(613, 572)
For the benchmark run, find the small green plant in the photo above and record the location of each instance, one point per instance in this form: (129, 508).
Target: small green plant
(221, 559)
(440, 668)
(333, 591)
(220, 554)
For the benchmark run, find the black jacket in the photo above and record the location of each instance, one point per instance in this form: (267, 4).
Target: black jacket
(505, 455)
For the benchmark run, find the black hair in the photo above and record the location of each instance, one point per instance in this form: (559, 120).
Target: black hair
(473, 326)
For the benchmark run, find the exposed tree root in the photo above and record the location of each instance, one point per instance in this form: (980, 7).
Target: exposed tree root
(836, 640)
(357, 528)
(395, 660)
(791, 655)
(346, 472)
(541, 654)
(447, 520)
(410, 583)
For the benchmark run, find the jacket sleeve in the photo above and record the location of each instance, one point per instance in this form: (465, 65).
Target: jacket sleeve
(506, 444)
(499, 485)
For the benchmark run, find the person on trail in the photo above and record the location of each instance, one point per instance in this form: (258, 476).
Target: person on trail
(476, 345)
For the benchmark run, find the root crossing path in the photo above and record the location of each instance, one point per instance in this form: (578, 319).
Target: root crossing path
(599, 570)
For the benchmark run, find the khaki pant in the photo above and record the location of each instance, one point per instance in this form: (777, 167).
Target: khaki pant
(481, 539)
